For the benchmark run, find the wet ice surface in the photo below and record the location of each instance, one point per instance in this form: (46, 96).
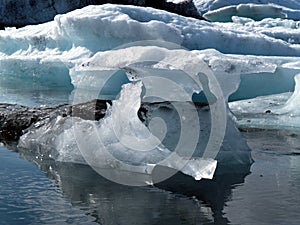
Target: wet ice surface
(266, 112)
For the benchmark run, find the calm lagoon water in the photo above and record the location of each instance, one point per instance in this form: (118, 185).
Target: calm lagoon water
(28, 196)
(47, 192)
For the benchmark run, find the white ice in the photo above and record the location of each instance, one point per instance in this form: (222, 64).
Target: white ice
(98, 28)
(119, 141)
(253, 11)
(46, 55)
(79, 50)
(208, 5)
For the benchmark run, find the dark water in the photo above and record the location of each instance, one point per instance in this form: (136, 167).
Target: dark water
(47, 192)
(27, 196)
(82, 197)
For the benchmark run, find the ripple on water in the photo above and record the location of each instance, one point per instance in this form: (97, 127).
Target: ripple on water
(27, 196)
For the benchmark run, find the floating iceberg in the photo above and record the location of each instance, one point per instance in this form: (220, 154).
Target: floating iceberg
(104, 27)
(57, 139)
(119, 141)
(290, 6)
(256, 12)
(44, 57)
(276, 112)
(97, 50)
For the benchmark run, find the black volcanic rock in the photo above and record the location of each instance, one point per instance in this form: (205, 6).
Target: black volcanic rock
(184, 8)
(16, 119)
(18, 13)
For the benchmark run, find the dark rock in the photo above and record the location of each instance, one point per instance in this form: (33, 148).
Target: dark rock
(184, 8)
(18, 13)
(16, 119)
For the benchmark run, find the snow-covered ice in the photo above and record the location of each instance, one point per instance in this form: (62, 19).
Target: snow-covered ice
(48, 53)
(105, 27)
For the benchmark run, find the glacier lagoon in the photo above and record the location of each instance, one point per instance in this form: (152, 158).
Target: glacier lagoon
(70, 59)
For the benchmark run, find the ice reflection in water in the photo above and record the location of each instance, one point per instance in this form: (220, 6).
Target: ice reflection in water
(27, 196)
(179, 200)
(269, 195)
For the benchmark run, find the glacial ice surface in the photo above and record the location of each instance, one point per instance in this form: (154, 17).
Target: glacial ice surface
(98, 28)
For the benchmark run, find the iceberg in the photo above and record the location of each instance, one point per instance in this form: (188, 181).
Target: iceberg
(119, 141)
(178, 96)
(274, 112)
(209, 5)
(253, 11)
(99, 28)
(128, 54)
(45, 57)
(112, 144)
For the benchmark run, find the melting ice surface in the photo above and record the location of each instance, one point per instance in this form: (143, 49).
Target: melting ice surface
(119, 141)
(157, 68)
(79, 50)
(254, 60)
(277, 111)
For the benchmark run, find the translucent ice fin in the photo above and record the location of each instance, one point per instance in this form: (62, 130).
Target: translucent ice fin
(127, 144)
(196, 167)
(292, 105)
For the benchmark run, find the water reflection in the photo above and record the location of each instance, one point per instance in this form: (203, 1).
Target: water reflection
(271, 194)
(178, 200)
(272, 188)
(27, 196)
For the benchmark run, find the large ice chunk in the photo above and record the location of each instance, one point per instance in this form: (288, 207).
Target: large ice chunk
(277, 112)
(120, 141)
(98, 28)
(209, 5)
(46, 55)
(253, 11)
